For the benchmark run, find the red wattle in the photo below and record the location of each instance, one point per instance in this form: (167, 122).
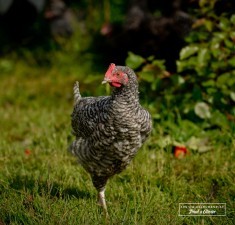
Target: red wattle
(115, 84)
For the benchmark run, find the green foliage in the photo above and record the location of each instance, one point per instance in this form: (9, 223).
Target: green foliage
(134, 61)
(208, 62)
(203, 88)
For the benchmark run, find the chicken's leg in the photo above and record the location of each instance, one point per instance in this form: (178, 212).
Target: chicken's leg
(102, 202)
(99, 183)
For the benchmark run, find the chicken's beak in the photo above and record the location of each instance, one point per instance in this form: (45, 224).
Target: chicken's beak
(105, 81)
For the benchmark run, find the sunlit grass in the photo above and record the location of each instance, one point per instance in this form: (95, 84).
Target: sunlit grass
(41, 183)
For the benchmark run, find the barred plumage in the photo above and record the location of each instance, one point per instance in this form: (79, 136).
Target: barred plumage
(109, 130)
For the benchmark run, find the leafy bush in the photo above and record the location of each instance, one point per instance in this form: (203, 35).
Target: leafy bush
(204, 87)
(207, 64)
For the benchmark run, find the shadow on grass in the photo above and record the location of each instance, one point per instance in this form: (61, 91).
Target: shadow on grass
(47, 188)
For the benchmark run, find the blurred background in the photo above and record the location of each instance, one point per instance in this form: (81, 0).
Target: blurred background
(145, 27)
(182, 50)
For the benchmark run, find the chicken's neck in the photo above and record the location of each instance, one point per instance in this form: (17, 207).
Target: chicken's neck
(127, 95)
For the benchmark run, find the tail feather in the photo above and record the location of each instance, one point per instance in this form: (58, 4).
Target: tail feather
(76, 92)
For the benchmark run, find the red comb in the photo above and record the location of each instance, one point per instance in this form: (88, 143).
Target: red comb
(110, 69)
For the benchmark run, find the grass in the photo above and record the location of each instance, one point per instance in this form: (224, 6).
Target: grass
(41, 183)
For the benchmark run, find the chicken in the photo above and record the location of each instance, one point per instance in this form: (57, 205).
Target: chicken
(109, 130)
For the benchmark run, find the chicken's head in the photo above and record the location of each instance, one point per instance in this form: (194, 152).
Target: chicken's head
(115, 76)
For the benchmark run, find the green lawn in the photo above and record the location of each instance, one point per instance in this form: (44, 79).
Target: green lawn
(41, 183)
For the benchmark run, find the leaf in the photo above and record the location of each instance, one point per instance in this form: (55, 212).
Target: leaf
(232, 35)
(202, 110)
(232, 19)
(209, 25)
(203, 57)
(220, 64)
(232, 61)
(220, 35)
(180, 66)
(225, 79)
(211, 90)
(219, 119)
(224, 24)
(208, 83)
(160, 64)
(199, 144)
(207, 6)
(229, 43)
(215, 51)
(178, 80)
(155, 85)
(188, 51)
(232, 96)
(150, 58)
(134, 61)
(146, 76)
(190, 63)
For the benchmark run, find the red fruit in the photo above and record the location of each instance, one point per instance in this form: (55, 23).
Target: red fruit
(180, 151)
